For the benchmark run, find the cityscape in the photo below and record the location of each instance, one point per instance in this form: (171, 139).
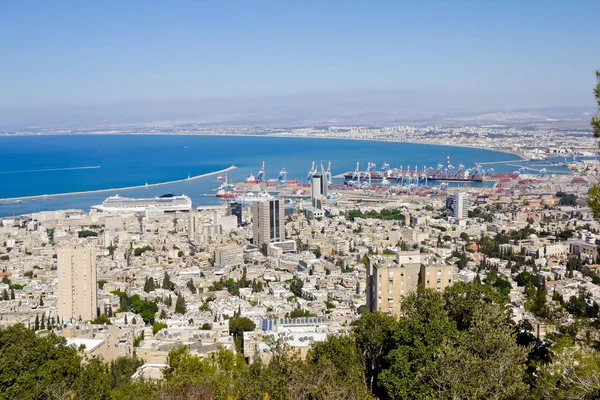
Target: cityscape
(195, 206)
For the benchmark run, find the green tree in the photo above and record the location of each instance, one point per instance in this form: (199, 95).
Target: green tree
(374, 334)
(180, 305)
(296, 286)
(44, 368)
(573, 374)
(421, 331)
(487, 363)
(237, 327)
(594, 192)
(462, 300)
(166, 283)
(191, 286)
(157, 326)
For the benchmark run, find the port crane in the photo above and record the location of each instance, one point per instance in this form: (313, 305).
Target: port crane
(261, 173)
(312, 171)
(283, 175)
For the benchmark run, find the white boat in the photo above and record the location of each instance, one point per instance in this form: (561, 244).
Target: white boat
(167, 202)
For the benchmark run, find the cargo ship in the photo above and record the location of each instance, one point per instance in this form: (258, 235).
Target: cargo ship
(225, 194)
(167, 202)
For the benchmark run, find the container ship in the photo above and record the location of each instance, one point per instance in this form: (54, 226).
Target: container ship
(167, 202)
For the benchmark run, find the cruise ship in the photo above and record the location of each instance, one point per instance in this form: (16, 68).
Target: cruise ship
(167, 202)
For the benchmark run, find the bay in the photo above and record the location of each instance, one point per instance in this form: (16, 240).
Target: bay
(38, 165)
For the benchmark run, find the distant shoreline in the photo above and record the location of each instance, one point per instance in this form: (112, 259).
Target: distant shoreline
(191, 178)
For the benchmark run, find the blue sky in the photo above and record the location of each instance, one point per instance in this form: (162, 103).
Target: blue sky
(521, 53)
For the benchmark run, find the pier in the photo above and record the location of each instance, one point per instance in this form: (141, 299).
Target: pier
(189, 178)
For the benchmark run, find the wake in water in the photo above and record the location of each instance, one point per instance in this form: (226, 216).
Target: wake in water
(49, 169)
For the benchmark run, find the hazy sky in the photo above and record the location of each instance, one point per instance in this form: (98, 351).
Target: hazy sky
(521, 53)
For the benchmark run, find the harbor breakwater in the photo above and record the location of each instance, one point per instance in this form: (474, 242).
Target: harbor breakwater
(147, 185)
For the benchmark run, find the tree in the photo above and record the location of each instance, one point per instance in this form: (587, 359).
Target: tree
(149, 284)
(296, 286)
(191, 286)
(594, 192)
(44, 368)
(573, 374)
(374, 334)
(157, 326)
(421, 331)
(486, 364)
(237, 327)
(180, 305)
(166, 283)
(12, 294)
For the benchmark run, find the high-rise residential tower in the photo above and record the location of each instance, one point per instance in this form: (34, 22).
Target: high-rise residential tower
(77, 282)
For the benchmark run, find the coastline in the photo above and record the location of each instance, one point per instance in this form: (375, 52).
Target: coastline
(191, 178)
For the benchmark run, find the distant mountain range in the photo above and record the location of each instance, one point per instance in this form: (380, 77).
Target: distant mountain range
(269, 113)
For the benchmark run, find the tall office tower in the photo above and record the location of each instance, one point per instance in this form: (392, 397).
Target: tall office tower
(458, 205)
(268, 221)
(318, 188)
(235, 208)
(77, 282)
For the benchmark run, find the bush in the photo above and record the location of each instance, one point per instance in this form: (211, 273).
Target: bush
(157, 326)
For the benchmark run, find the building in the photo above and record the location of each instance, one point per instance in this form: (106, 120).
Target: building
(584, 250)
(77, 286)
(194, 225)
(229, 256)
(458, 205)
(389, 280)
(235, 208)
(318, 189)
(436, 276)
(268, 221)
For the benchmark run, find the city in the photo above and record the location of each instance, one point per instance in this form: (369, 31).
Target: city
(298, 270)
(300, 200)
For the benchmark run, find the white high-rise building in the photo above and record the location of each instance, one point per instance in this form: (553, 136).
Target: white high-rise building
(318, 189)
(458, 205)
(77, 283)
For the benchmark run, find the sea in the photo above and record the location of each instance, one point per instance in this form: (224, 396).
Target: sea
(52, 164)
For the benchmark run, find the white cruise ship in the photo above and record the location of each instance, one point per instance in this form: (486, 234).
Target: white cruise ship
(167, 202)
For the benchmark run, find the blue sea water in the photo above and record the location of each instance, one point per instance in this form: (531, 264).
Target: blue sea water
(38, 165)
